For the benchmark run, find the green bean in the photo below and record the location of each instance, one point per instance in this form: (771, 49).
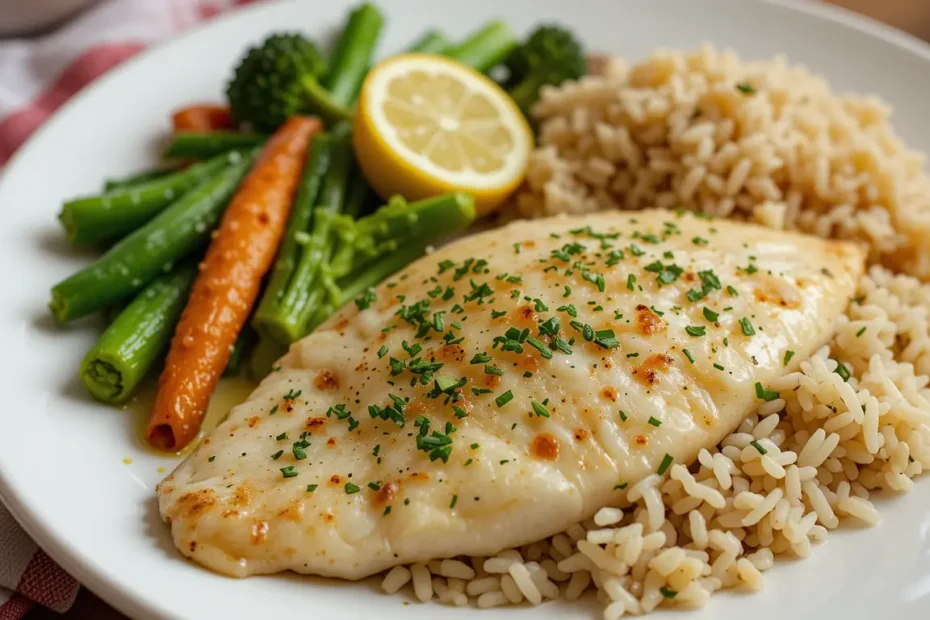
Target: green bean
(206, 144)
(137, 338)
(114, 214)
(132, 263)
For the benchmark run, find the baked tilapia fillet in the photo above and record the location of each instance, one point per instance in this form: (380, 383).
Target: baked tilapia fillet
(503, 388)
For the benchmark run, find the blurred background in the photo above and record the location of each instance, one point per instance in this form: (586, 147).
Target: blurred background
(19, 17)
(24, 19)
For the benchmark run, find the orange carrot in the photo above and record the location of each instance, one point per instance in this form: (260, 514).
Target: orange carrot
(225, 290)
(202, 117)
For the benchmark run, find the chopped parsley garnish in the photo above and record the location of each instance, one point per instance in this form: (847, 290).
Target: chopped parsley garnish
(352, 488)
(764, 394)
(755, 444)
(699, 241)
(281, 437)
(747, 327)
(688, 355)
(718, 366)
(665, 464)
(746, 88)
(480, 358)
(383, 351)
(596, 279)
(277, 455)
(387, 511)
(667, 593)
(288, 472)
(696, 331)
(620, 487)
(842, 371)
(860, 332)
(623, 416)
(539, 409)
(710, 315)
(496, 314)
(374, 486)
(366, 299)
(605, 338)
(455, 500)
(291, 395)
(631, 282)
(732, 291)
(788, 356)
(493, 370)
(635, 250)
(569, 309)
(504, 398)
(211, 459)
(655, 422)
(312, 487)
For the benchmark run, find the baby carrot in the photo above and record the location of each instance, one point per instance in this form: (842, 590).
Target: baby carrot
(225, 290)
(202, 117)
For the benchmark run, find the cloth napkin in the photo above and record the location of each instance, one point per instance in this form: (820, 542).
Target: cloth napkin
(37, 76)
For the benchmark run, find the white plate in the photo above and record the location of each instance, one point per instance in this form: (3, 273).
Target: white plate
(61, 455)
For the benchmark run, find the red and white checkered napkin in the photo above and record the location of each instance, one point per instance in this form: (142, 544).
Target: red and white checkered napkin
(38, 75)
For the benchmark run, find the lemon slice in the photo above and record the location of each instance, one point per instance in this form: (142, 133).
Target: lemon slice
(427, 125)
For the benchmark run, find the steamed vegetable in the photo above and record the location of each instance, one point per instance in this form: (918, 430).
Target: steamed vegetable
(227, 285)
(137, 338)
(432, 42)
(206, 144)
(138, 178)
(353, 54)
(116, 213)
(297, 226)
(486, 48)
(294, 310)
(279, 79)
(135, 261)
(550, 56)
(202, 117)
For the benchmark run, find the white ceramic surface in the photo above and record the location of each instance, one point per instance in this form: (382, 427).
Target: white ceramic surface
(61, 455)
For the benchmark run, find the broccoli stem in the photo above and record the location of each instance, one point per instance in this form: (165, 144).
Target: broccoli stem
(432, 42)
(526, 93)
(288, 322)
(206, 144)
(297, 226)
(486, 48)
(353, 54)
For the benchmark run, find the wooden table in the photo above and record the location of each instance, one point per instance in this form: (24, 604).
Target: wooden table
(912, 16)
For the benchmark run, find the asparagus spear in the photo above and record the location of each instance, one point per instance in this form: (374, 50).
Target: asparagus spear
(136, 260)
(432, 42)
(353, 54)
(135, 340)
(297, 225)
(203, 145)
(486, 48)
(138, 178)
(293, 313)
(114, 214)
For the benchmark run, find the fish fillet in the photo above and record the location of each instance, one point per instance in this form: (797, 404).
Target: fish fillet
(503, 388)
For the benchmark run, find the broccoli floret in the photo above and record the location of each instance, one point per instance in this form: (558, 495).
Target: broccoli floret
(551, 55)
(278, 79)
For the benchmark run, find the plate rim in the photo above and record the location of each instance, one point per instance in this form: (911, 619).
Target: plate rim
(40, 530)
